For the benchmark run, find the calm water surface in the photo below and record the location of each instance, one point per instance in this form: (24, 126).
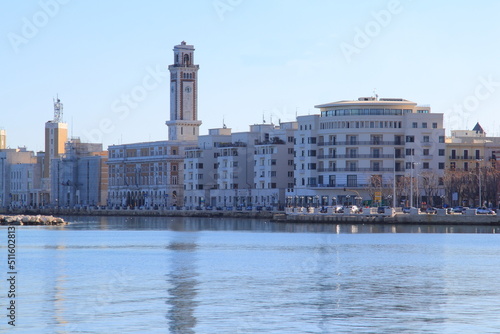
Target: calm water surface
(173, 275)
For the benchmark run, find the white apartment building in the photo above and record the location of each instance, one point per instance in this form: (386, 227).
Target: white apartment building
(370, 151)
(241, 169)
(20, 175)
(273, 166)
(200, 167)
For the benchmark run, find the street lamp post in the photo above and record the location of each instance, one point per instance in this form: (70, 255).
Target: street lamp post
(479, 181)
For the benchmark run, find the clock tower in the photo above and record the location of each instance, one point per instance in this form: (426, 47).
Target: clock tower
(183, 124)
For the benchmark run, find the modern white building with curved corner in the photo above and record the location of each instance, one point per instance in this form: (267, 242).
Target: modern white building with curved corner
(369, 151)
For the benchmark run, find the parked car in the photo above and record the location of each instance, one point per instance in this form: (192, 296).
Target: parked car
(431, 210)
(485, 211)
(381, 209)
(249, 208)
(208, 207)
(338, 209)
(353, 208)
(458, 209)
(407, 209)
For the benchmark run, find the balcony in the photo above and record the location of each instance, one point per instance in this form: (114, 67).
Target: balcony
(341, 185)
(466, 157)
(361, 156)
(320, 170)
(361, 143)
(237, 144)
(272, 141)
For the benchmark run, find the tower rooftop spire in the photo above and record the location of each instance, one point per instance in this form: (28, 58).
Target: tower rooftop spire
(58, 110)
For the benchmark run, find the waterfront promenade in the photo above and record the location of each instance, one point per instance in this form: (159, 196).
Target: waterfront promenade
(300, 215)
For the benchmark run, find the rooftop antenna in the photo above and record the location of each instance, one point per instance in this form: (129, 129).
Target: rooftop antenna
(375, 93)
(223, 123)
(58, 110)
(296, 111)
(263, 117)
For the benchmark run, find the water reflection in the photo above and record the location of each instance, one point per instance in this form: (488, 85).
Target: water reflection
(183, 279)
(182, 224)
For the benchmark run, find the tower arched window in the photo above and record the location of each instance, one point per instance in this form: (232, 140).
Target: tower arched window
(186, 59)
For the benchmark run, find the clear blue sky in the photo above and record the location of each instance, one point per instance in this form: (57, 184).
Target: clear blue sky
(256, 57)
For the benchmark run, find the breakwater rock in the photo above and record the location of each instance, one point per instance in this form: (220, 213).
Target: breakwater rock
(31, 220)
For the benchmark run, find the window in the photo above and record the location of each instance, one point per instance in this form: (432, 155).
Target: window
(311, 181)
(352, 180)
(332, 180)
(441, 139)
(478, 155)
(376, 139)
(311, 153)
(311, 140)
(426, 139)
(441, 165)
(414, 125)
(466, 154)
(453, 165)
(408, 165)
(441, 152)
(466, 166)
(410, 139)
(434, 125)
(311, 166)
(426, 151)
(425, 165)
(424, 125)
